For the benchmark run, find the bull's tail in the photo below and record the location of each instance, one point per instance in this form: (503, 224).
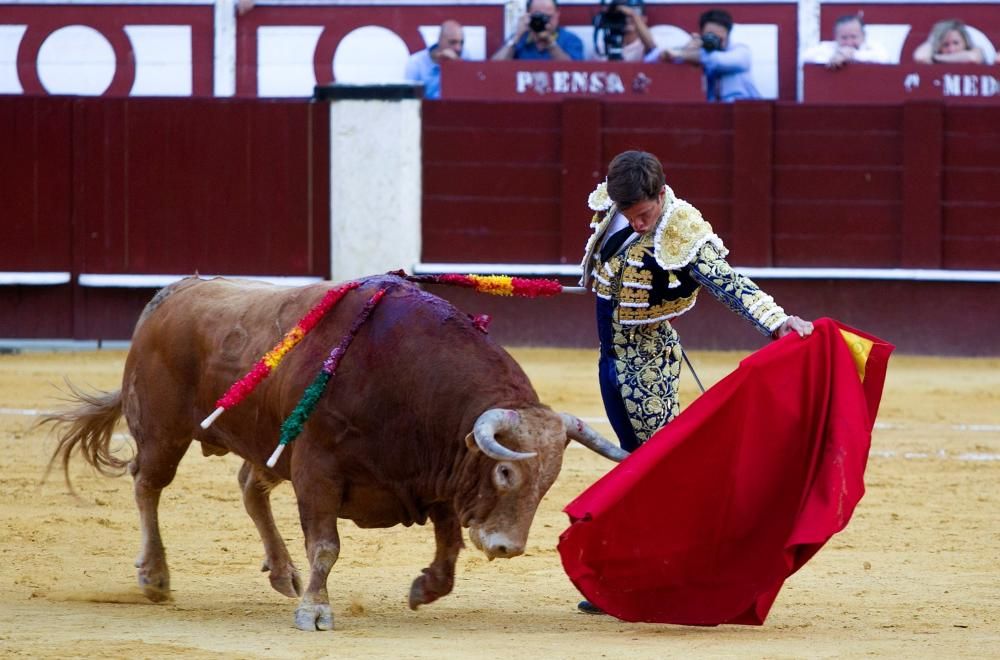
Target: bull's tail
(88, 429)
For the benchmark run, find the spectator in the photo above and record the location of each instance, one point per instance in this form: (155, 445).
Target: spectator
(538, 37)
(424, 66)
(726, 66)
(849, 44)
(637, 40)
(949, 43)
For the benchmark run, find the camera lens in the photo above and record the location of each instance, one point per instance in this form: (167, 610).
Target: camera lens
(711, 42)
(539, 22)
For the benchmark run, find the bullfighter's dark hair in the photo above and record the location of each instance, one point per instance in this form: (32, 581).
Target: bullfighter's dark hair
(634, 176)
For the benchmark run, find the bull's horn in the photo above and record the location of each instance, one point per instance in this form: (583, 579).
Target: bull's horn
(591, 439)
(490, 423)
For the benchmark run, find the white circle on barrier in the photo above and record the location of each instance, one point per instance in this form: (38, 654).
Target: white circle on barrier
(76, 59)
(370, 54)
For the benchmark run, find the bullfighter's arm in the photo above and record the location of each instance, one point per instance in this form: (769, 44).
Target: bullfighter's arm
(736, 291)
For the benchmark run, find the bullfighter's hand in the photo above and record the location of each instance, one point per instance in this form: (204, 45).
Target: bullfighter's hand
(794, 324)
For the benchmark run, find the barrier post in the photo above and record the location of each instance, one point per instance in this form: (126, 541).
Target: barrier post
(375, 177)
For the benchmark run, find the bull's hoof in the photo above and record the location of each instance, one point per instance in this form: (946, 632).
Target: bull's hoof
(155, 584)
(314, 617)
(156, 590)
(416, 594)
(422, 592)
(287, 583)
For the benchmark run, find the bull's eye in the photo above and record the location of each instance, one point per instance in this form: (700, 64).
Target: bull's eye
(504, 476)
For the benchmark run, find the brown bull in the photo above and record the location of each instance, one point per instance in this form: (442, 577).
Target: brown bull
(426, 418)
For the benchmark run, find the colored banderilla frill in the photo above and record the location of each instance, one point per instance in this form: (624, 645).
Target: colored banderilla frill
(292, 426)
(244, 386)
(497, 285)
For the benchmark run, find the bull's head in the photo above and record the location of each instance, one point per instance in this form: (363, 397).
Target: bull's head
(519, 478)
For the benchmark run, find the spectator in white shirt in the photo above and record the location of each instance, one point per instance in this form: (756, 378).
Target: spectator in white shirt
(849, 45)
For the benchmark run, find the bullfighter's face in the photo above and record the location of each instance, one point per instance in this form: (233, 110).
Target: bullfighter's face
(643, 216)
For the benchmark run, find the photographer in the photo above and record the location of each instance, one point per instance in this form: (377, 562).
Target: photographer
(726, 66)
(538, 36)
(622, 29)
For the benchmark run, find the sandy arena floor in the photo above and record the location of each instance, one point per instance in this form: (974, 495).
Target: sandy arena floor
(915, 574)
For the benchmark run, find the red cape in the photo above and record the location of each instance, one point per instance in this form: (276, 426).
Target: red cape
(703, 523)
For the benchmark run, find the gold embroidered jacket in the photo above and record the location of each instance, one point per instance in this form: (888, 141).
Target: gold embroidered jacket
(658, 276)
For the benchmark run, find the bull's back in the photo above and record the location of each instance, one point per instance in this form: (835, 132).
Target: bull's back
(205, 326)
(416, 375)
(197, 337)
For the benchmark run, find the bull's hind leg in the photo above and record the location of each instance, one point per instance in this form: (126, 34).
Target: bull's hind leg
(153, 469)
(257, 485)
(438, 579)
(319, 498)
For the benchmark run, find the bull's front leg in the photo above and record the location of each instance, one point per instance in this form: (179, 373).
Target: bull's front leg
(438, 579)
(257, 484)
(319, 499)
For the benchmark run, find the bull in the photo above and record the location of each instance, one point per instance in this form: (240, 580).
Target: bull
(426, 419)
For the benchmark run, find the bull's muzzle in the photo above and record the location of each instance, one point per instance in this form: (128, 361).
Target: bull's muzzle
(496, 544)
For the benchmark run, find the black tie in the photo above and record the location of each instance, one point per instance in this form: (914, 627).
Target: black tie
(615, 243)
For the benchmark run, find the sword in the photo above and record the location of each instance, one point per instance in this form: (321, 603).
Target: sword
(693, 373)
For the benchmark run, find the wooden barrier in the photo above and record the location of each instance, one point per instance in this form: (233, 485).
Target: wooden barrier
(125, 187)
(901, 186)
(120, 187)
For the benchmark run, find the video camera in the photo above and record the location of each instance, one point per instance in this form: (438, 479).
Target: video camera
(610, 25)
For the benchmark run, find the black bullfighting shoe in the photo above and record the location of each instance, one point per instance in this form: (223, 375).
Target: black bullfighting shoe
(587, 607)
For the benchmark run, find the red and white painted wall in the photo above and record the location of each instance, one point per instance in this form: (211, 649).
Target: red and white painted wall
(283, 48)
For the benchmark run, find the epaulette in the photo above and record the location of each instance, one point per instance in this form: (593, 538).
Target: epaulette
(681, 234)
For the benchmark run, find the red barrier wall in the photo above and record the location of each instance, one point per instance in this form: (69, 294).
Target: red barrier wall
(159, 187)
(904, 186)
(124, 186)
(901, 186)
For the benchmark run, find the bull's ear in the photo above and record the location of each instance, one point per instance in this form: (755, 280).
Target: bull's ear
(470, 442)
